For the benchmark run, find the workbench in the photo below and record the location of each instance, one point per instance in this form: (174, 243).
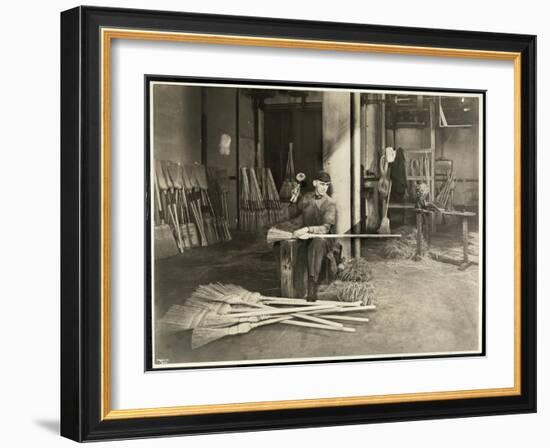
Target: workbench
(419, 224)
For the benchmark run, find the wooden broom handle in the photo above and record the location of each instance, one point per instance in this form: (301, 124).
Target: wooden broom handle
(388, 200)
(358, 235)
(313, 325)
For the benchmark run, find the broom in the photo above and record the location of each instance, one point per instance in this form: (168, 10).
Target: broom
(176, 176)
(236, 295)
(215, 293)
(165, 245)
(203, 182)
(165, 187)
(288, 183)
(275, 235)
(223, 188)
(172, 204)
(244, 201)
(186, 317)
(258, 199)
(205, 335)
(191, 227)
(215, 179)
(202, 185)
(384, 228)
(194, 202)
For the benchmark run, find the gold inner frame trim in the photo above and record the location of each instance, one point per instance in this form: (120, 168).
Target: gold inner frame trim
(107, 35)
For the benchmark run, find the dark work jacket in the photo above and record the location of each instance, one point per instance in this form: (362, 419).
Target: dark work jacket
(399, 173)
(317, 214)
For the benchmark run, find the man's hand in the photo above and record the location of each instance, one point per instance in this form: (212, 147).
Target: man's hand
(301, 233)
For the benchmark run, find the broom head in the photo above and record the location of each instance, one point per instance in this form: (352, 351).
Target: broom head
(384, 226)
(165, 244)
(184, 232)
(184, 317)
(199, 172)
(191, 172)
(205, 335)
(275, 235)
(165, 168)
(186, 175)
(193, 234)
(161, 180)
(175, 173)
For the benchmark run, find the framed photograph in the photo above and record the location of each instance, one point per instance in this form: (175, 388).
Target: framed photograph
(275, 224)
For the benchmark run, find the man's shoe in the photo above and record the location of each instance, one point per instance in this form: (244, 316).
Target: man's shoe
(311, 290)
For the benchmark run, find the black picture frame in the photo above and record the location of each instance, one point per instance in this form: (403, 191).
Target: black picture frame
(84, 404)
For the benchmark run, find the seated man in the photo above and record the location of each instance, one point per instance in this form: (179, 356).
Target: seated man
(315, 214)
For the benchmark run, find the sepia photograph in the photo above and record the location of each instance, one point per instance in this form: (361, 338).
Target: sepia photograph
(297, 223)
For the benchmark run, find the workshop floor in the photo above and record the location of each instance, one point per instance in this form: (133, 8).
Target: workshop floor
(423, 306)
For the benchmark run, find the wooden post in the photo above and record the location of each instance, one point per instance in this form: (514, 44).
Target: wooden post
(418, 235)
(356, 171)
(382, 149)
(431, 230)
(465, 238)
(432, 147)
(293, 270)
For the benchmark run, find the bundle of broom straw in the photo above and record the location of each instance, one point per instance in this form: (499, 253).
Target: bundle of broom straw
(165, 243)
(223, 188)
(218, 310)
(168, 200)
(258, 200)
(252, 213)
(445, 196)
(271, 198)
(289, 183)
(212, 236)
(218, 198)
(174, 172)
(245, 211)
(194, 202)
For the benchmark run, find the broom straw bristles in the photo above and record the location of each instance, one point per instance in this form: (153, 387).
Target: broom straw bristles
(204, 335)
(213, 315)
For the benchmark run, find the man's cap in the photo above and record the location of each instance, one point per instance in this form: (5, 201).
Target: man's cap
(323, 176)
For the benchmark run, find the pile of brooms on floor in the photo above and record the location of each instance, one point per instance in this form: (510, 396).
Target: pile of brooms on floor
(218, 310)
(259, 204)
(184, 213)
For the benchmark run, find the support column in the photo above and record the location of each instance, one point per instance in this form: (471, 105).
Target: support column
(356, 171)
(337, 157)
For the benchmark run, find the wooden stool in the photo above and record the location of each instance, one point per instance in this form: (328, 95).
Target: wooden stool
(293, 270)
